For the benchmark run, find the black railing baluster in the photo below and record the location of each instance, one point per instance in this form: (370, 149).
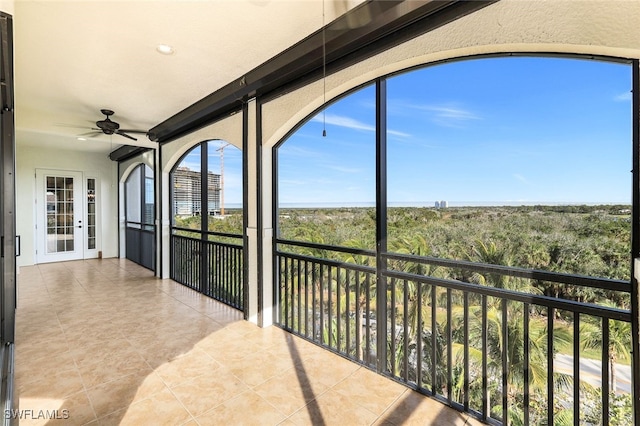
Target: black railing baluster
(486, 409)
(330, 299)
(419, 337)
(576, 369)
(287, 306)
(434, 333)
(392, 331)
(299, 286)
(525, 326)
(282, 283)
(338, 311)
(313, 301)
(407, 363)
(449, 332)
(550, 380)
(405, 331)
(294, 266)
(358, 318)
(306, 298)
(605, 371)
(347, 313)
(505, 364)
(465, 328)
(368, 318)
(322, 328)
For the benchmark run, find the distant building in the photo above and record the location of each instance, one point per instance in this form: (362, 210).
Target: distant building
(437, 204)
(442, 204)
(186, 192)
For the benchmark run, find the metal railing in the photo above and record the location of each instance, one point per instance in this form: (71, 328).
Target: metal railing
(492, 352)
(220, 275)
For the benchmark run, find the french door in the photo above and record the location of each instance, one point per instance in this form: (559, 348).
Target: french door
(59, 209)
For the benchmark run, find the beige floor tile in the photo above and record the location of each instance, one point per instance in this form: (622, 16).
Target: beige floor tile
(415, 409)
(331, 408)
(208, 391)
(79, 409)
(53, 384)
(370, 390)
(109, 369)
(120, 393)
(328, 369)
(259, 367)
(161, 408)
(246, 409)
(290, 391)
(186, 367)
(32, 369)
(98, 352)
(114, 345)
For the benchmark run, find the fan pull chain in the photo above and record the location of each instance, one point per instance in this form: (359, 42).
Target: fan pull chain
(324, 76)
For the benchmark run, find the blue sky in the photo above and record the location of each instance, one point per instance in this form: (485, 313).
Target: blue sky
(501, 131)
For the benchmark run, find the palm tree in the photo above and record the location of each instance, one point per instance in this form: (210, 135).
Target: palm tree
(362, 286)
(591, 337)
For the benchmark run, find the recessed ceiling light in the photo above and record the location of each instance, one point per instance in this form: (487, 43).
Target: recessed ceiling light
(82, 139)
(165, 49)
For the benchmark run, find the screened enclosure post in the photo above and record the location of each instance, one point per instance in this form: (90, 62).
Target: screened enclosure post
(381, 221)
(245, 204)
(204, 216)
(635, 240)
(7, 180)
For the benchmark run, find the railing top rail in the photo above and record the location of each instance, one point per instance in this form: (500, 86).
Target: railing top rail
(139, 223)
(350, 250)
(217, 243)
(328, 262)
(547, 301)
(214, 233)
(534, 274)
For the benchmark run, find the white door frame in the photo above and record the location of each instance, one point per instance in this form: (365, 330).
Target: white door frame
(48, 251)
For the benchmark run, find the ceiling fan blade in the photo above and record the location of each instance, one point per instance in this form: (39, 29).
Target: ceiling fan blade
(121, 133)
(90, 134)
(140, 132)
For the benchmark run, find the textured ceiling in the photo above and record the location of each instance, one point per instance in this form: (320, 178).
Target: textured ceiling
(73, 58)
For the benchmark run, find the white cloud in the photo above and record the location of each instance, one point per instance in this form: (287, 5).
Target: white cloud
(448, 115)
(521, 178)
(350, 123)
(343, 169)
(623, 97)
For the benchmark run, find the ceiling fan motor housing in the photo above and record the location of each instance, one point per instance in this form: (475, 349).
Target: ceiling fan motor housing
(107, 126)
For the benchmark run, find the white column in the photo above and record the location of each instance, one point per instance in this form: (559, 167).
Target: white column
(267, 239)
(251, 210)
(266, 317)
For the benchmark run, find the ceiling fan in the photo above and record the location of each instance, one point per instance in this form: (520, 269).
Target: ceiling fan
(110, 127)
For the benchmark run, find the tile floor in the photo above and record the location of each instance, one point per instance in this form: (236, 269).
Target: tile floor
(106, 343)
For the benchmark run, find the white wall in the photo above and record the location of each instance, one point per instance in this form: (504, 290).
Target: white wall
(7, 6)
(29, 158)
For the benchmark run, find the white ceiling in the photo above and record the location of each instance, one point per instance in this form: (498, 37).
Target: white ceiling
(73, 58)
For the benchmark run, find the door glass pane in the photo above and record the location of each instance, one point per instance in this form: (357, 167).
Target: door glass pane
(149, 196)
(91, 214)
(59, 214)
